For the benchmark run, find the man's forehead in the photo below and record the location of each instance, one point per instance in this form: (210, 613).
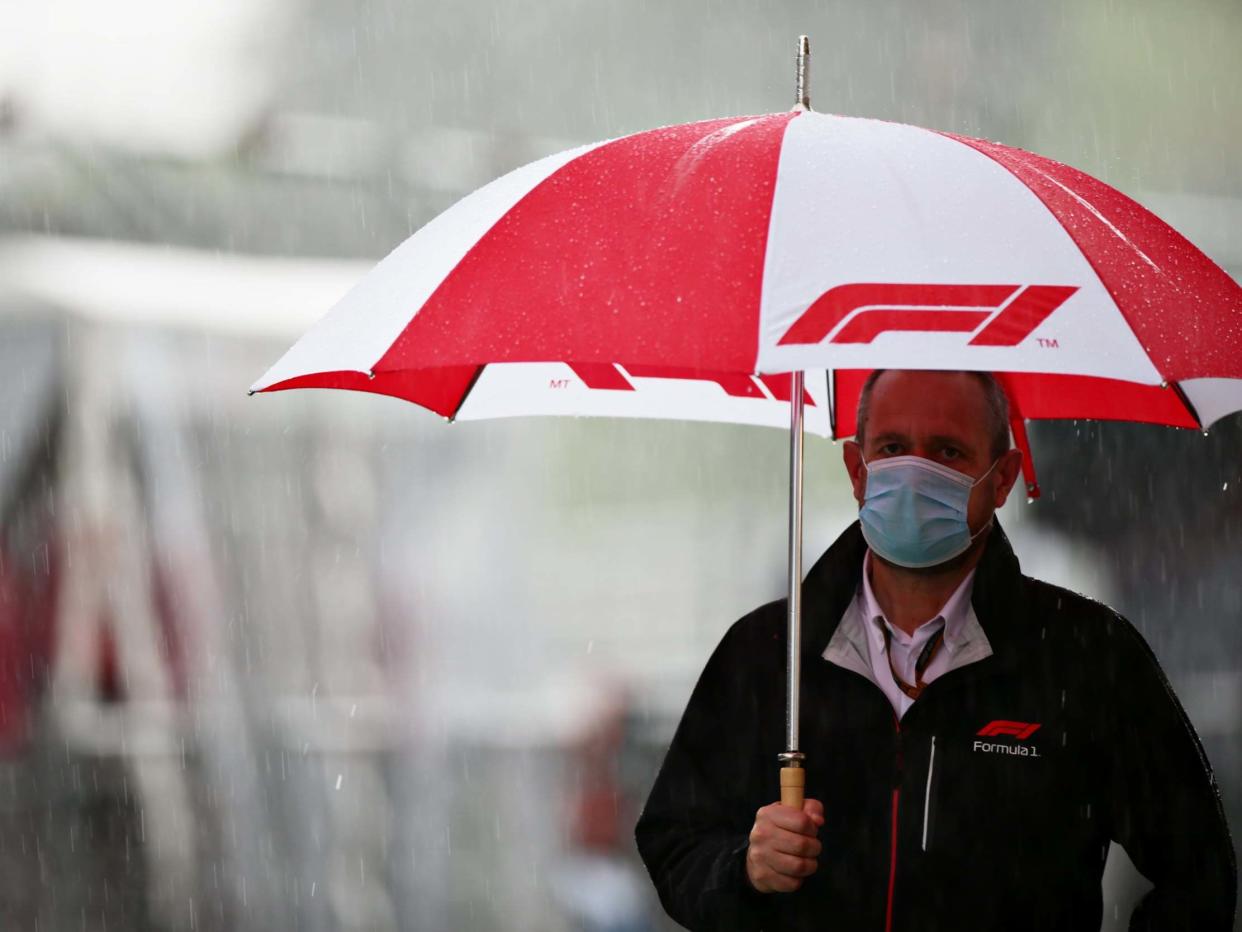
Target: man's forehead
(944, 403)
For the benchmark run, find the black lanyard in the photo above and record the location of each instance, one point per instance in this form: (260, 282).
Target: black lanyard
(925, 659)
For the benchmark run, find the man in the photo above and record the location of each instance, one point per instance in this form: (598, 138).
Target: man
(974, 737)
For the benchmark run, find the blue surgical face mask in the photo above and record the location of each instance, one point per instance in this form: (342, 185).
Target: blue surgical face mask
(914, 511)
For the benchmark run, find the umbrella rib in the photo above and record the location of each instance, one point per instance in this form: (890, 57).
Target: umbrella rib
(1182, 397)
(474, 380)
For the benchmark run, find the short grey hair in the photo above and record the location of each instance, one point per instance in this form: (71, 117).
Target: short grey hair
(994, 397)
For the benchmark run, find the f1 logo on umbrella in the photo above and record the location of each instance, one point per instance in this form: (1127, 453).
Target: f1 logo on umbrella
(997, 315)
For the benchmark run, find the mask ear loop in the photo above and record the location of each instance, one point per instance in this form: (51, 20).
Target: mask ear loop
(984, 528)
(986, 474)
(992, 517)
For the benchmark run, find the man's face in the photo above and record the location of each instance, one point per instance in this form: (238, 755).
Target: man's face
(940, 416)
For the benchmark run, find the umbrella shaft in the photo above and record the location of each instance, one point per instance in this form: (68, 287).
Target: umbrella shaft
(803, 74)
(793, 677)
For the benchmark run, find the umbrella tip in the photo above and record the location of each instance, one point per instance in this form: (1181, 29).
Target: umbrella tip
(804, 74)
(249, 392)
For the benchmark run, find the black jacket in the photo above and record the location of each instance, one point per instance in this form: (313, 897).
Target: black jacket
(975, 835)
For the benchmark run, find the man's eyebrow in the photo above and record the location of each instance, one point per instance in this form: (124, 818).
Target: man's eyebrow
(889, 435)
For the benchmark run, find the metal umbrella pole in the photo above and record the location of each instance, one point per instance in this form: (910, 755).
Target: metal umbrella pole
(792, 760)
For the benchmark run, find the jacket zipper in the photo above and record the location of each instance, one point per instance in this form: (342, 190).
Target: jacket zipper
(931, 765)
(892, 850)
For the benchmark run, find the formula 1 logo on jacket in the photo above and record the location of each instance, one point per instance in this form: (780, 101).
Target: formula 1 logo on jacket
(995, 315)
(1005, 728)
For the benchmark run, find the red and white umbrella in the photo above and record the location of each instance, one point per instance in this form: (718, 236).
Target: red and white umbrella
(675, 272)
(684, 272)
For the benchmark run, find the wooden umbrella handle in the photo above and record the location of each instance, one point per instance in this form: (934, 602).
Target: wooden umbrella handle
(793, 783)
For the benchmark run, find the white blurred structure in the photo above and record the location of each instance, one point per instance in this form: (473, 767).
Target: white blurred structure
(123, 74)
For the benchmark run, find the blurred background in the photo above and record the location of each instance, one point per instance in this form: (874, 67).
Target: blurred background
(322, 662)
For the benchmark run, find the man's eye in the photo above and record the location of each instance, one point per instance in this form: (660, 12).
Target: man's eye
(951, 453)
(891, 449)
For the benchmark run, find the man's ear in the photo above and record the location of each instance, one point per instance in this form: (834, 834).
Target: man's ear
(1007, 471)
(852, 454)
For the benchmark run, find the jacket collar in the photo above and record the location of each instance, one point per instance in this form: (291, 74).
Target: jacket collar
(833, 580)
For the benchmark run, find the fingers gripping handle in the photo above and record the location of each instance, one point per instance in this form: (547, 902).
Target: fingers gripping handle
(793, 785)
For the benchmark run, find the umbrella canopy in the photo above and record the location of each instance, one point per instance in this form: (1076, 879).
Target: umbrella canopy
(679, 272)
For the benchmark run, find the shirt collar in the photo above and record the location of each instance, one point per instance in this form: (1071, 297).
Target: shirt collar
(955, 612)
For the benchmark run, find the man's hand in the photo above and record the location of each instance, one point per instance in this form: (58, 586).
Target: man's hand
(783, 846)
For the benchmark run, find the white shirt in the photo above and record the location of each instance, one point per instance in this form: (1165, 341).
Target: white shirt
(857, 644)
(953, 617)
